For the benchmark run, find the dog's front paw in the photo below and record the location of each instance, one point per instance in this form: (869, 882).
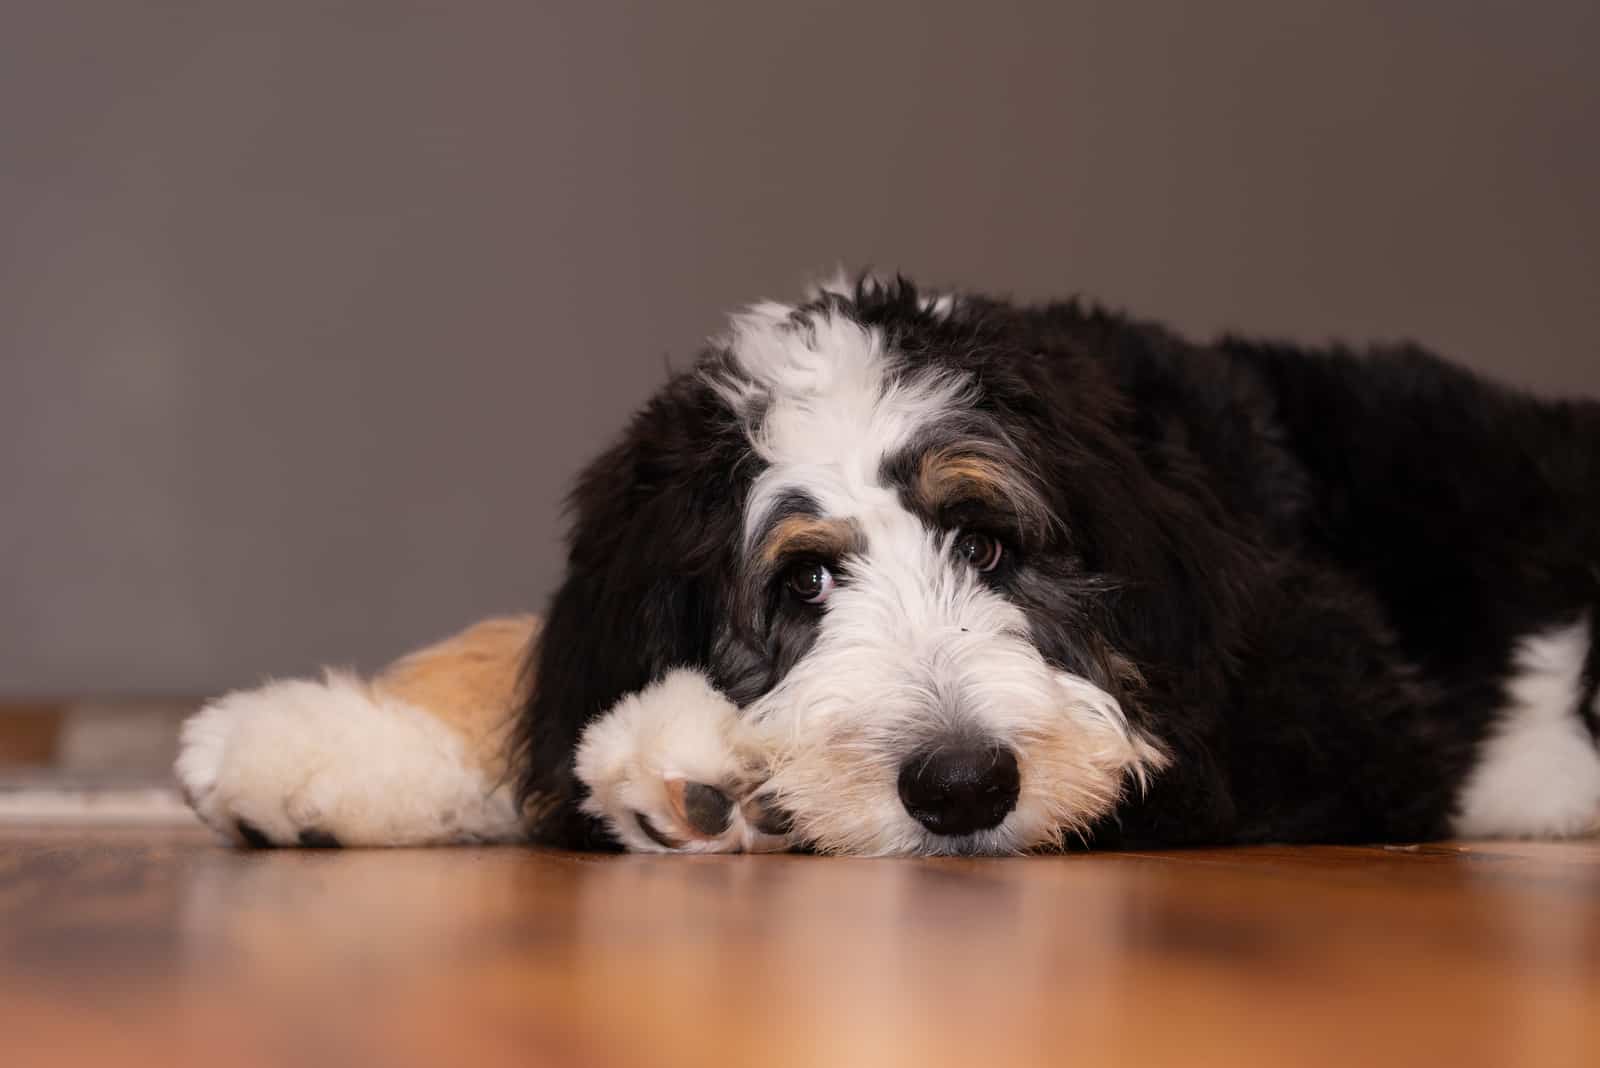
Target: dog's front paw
(669, 770)
(318, 764)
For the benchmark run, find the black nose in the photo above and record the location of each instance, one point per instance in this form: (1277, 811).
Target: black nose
(959, 789)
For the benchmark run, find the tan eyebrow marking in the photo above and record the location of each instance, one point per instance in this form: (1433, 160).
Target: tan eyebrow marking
(946, 476)
(950, 475)
(804, 535)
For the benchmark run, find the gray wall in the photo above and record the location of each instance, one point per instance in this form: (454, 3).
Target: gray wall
(308, 311)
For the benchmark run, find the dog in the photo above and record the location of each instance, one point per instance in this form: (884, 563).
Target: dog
(901, 572)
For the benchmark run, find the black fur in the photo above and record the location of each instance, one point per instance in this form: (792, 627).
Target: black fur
(1303, 571)
(652, 547)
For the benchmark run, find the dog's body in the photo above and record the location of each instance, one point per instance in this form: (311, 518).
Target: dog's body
(897, 573)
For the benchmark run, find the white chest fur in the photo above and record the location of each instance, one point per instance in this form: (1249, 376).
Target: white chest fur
(1539, 772)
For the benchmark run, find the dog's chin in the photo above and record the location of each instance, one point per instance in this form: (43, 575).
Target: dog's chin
(904, 837)
(900, 835)
(998, 842)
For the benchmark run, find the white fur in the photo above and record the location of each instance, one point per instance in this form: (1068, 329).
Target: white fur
(333, 756)
(830, 408)
(679, 730)
(1539, 773)
(913, 648)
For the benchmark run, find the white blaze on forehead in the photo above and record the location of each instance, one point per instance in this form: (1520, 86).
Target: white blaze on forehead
(826, 403)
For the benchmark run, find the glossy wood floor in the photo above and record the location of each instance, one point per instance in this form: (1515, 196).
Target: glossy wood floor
(162, 948)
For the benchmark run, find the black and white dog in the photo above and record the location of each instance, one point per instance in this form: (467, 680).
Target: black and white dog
(891, 572)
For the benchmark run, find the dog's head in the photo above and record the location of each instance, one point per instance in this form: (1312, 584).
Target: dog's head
(922, 557)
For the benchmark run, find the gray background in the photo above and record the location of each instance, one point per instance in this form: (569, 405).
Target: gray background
(308, 311)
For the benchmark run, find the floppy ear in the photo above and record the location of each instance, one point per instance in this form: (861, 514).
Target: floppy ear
(604, 639)
(1139, 513)
(656, 524)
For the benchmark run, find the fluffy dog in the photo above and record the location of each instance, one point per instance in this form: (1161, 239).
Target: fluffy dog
(892, 572)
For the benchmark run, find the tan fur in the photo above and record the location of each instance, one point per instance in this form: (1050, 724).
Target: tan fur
(799, 535)
(947, 476)
(472, 682)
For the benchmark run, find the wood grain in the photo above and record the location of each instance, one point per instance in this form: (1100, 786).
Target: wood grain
(136, 948)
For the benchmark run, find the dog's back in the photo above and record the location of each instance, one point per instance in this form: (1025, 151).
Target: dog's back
(1469, 509)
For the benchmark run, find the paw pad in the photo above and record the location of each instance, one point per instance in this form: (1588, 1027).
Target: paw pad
(706, 809)
(253, 836)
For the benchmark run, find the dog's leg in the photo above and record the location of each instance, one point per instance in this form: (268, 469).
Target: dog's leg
(413, 756)
(673, 769)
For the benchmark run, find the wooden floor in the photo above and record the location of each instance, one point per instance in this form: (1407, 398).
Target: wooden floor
(162, 948)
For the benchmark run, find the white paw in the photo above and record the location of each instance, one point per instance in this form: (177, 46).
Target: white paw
(670, 770)
(331, 763)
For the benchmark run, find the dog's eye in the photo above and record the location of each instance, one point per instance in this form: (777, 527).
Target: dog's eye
(809, 580)
(982, 551)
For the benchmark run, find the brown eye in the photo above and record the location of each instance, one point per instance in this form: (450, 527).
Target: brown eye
(982, 551)
(809, 580)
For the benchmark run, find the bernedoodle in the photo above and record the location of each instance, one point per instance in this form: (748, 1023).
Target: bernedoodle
(898, 572)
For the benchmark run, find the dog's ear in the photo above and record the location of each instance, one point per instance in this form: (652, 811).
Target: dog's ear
(656, 523)
(1139, 513)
